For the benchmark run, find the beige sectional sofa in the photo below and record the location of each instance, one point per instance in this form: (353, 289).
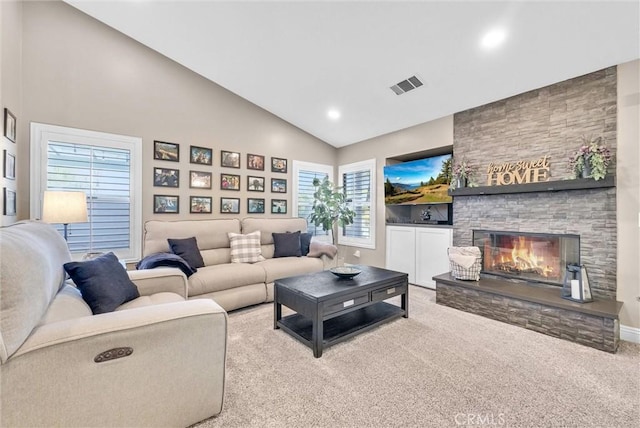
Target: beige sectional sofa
(56, 365)
(233, 285)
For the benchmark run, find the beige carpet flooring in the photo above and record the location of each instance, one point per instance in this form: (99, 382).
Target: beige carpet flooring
(439, 368)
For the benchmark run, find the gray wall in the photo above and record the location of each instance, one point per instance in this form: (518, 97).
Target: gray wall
(80, 73)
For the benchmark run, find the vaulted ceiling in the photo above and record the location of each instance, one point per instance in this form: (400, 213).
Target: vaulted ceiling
(300, 59)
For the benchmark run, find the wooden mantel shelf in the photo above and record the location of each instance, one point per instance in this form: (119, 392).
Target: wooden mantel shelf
(547, 186)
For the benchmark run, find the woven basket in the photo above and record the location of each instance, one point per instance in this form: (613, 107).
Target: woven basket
(471, 273)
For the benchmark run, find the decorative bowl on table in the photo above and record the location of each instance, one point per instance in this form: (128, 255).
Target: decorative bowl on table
(345, 272)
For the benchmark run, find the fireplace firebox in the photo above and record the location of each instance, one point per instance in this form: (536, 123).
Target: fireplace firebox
(532, 257)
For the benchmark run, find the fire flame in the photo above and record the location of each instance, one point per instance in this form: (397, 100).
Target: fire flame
(523, 258)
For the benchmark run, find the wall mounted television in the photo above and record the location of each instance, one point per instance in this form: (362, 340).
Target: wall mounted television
(421, 181)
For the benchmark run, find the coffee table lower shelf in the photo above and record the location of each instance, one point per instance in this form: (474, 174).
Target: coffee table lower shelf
(343, 326)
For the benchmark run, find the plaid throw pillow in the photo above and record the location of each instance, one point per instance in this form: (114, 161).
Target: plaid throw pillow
(245, 248)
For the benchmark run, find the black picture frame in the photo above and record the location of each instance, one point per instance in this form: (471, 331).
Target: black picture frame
(229, 159)
(278, 185)
(9, 202)
(229, 205)
(255, 162)
(200, 155)
(10, 125)
(200, 204)
(200, 180)
(255, 205)
(9, 165)
(278, 206)
(255, 184)
(166, 177)
(166, 204)
(163, 150)
(278, 165)
(229, 182)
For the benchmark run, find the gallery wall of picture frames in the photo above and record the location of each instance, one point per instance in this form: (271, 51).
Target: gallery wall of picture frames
(9, 195)
(168, 177)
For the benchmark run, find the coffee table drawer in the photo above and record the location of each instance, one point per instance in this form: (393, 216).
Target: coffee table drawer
(333, 307)
(387, 292)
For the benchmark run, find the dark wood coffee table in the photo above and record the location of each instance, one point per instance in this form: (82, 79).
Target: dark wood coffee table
(330, 310)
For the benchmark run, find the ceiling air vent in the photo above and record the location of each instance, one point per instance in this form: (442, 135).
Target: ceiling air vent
(406, 85)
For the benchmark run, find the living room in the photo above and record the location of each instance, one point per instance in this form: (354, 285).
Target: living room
(62, 67)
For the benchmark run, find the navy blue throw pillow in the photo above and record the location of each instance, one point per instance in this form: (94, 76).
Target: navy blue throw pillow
(305, 242)
(187, 249)
(286, 244)
(103, 282)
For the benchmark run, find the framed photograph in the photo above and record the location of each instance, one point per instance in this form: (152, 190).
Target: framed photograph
(166, 151)
(255, 206)
(9, 202)
(9, 162)
(9, 126)
(278, 206)
(255, 184)
(278, 165)
(199, 180)
(230, 182)
(229, 159)
(165, 177)
(166, 204)
(278, 185)
(200, 155)
(255, 162)
(230, 205)
(200, 204)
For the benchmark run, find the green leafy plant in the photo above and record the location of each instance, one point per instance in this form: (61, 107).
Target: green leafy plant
(591, 159)
(330, 207)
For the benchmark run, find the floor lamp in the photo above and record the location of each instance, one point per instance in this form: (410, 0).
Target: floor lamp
(64, 207)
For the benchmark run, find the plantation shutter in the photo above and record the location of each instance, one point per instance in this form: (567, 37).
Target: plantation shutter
(104, 174)
(305, 198)
(357, 190)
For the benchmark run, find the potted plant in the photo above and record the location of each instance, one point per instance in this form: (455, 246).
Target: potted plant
(330, 207)
(462, 175)
(591, 159)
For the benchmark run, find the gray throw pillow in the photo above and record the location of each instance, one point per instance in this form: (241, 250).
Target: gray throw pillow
(103, 283)
(286, 244)
(187, 248)
(305, 242)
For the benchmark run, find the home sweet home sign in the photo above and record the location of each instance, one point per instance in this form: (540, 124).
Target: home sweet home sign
(519, 172)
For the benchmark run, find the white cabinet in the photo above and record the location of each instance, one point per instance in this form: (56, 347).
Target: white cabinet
(421, 252)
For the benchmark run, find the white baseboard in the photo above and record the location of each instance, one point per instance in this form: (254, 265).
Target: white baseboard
(630, 334)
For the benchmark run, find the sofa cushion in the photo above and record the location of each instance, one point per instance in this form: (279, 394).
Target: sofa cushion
(305, 242)
(245, 248)
(225, 276)
(151, 300)
(283, 267)
(103, 282)
(187, 248)
(273, 225)
(211, 234)
(286, 245)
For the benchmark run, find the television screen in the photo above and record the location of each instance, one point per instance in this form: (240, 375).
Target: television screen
(422, 181)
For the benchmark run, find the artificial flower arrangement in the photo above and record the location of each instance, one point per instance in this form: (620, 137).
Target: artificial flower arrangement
(462, 175)
(591, 159)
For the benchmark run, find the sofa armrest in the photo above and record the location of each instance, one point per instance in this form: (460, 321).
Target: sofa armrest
(151, 281)
(174, 375)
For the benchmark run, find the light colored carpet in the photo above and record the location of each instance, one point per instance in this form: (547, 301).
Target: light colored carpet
(439, 368)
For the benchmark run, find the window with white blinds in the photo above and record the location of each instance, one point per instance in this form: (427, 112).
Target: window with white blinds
(358, 184)
(303, 175)
(104, 167)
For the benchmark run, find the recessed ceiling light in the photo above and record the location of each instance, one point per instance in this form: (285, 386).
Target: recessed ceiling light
(333, 114)
(493, 38)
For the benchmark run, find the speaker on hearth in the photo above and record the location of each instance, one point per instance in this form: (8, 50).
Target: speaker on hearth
(576, 284)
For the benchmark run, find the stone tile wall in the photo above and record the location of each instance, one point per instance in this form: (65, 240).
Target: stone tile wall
(548, 121)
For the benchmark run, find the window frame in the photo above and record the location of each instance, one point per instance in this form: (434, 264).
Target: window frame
(42, 133)
(370, 165)
(298, 166)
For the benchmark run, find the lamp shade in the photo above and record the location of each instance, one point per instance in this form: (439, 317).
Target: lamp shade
(64, 207)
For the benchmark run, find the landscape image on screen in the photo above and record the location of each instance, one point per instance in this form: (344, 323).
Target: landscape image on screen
(422, 181)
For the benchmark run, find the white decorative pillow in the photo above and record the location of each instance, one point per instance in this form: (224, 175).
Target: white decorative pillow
(245, 248)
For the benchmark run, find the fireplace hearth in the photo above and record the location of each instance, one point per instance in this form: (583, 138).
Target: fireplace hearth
(531, 257)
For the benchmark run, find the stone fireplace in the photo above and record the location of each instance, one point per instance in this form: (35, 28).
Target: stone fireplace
(522, 256)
